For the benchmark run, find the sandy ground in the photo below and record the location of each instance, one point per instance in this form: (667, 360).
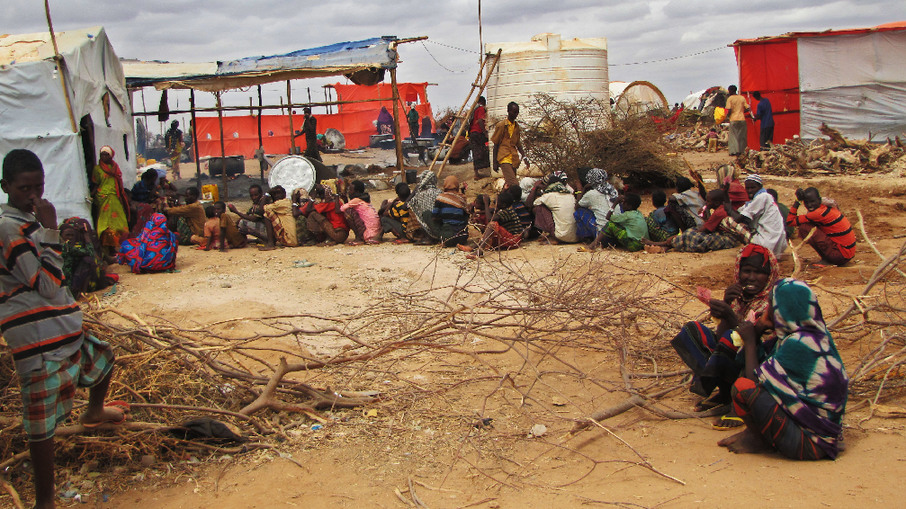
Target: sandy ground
(363, 461)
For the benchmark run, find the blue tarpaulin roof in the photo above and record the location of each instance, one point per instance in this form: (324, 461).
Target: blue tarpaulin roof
(331, 60)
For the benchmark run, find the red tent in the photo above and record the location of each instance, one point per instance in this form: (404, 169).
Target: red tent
(355, 121)
(852, 79)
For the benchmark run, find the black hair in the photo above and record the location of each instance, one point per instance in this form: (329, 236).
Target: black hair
(256, 186)
(358, 188)
(683, 184)
(773, 193)
(505, 199)
(317, 191)
(278, 190)
(209, 211)
(658, 198)
(402, 190)
(756, 95)
(220, 204)
(732, 89)
(20, 161)
(193, 191)
(515, 193)
(811, 190)
(719, 193)
(482, 100)
(632, 201)
(511, 103)
(149, 174)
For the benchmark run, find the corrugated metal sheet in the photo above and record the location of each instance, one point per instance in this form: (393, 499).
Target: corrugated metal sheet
(564, 69)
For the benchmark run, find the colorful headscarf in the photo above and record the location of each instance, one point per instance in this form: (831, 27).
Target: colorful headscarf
(805, 374)
(598, 180)
(751, 308)
(451, 195)
(555, 176)
(113, 170)
(154, 250)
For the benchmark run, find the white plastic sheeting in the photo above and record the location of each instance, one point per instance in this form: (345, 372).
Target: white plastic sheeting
(853, 83)
(35, 117)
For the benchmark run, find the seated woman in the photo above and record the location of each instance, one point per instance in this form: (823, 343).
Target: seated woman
(728, 180)
(325, 222)
(660, 226)
(83, 261)
(711, 354)
(450, 214)
(793, 400)
(597, 198)
(153, 251)
(684, 205)
(144, 201)
(554, 207)
(421, 207)
(279, 221)
(363, 220)
(710, 236)
(505, 230)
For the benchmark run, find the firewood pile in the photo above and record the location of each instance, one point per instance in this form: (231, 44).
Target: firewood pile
(697, 138)
(834, 155)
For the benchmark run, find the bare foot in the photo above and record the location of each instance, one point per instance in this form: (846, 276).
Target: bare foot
(269, 247)
(746, 442)
(107, 415)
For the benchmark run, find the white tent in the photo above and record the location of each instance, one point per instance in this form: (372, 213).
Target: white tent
(636, 98)
(34, 114)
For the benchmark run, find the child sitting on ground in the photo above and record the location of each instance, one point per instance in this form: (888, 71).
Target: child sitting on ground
(229, 226)
(211, 237)
(395, 214)
(660, 225)
(479, 212)
(52, 353)
(361, 216)
(279, 221)
(832, 235)
(626, 229)
(325, 221)
(710, 236)
(505, 230)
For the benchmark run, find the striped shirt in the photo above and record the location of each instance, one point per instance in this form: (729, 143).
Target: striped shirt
(509, 220)
(39, 319)
(399, 211)
(831, 222)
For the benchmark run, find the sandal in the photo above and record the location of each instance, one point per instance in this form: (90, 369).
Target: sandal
(728, 422)
(710, 402)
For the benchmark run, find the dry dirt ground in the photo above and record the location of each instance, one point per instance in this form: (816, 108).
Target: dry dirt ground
(373, 459)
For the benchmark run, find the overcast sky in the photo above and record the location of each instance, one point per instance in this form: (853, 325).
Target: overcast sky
(654, 32)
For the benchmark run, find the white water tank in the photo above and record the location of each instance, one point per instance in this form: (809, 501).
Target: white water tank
(567, 70)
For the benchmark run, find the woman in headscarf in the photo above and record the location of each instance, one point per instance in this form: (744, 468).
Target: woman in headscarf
(728, 180)
(793, 400)
(450, 214)
(110, 201)
(597, 197)
(83, 263)
(684, 205)
(554, 207)
(711, 355)
(421, 205)
(153, 251)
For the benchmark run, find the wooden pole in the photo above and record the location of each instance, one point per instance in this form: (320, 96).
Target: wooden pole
(195, 139)
(327, 99)
(396, 122)
(480, 45)
(309, 94)
(226, 191)
(289, 109)
(260, 140)
(61, 66)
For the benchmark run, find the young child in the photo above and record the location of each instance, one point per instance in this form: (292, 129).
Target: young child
(833, 238)
(279, 221)
(479, 212)
(229, 226)
(211, 236)
(395, 214)
(710, 236)
(660, 225)
(42, 324)
(362, 217)
(324, 220)
(505, 230)
(626, 229)
(712, 140)
(190, 218)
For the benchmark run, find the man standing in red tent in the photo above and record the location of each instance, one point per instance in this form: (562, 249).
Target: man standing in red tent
(765, 114)
(478, 138)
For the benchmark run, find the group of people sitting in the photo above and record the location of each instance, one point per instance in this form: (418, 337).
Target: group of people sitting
(770, 364)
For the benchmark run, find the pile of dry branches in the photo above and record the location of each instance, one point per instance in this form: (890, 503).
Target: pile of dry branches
(834, 155)
(504, 365)
(696, 138)
(585, 133)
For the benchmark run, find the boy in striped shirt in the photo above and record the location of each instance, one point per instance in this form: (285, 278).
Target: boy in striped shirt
(833, 236)
(42, 324)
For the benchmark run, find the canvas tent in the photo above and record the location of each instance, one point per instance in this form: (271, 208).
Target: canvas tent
(853, 80)
(636, 98)
(35, 115)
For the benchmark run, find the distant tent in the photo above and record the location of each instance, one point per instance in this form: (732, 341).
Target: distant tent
(853, 80)
(35, 115)
(636, 98)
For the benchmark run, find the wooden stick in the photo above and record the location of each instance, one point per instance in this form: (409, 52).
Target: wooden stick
(62, 65)
(17, 502)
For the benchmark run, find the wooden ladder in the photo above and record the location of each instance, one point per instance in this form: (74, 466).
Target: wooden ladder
(488, 65)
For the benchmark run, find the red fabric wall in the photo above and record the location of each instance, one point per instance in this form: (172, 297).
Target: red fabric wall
(771, 68)
(355, 121)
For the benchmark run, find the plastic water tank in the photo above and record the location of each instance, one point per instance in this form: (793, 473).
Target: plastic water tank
(568, 69)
